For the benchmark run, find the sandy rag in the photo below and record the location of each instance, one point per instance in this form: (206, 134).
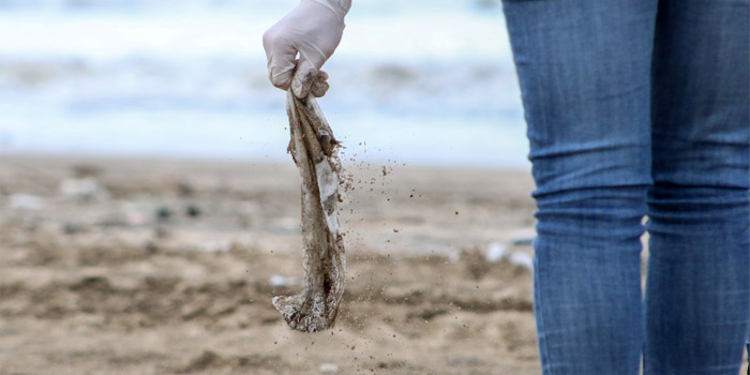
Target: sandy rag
(315, 152)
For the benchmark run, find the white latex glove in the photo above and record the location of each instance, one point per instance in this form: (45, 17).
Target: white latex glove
(313, 29)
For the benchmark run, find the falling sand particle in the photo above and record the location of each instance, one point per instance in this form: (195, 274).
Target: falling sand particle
(315, 152)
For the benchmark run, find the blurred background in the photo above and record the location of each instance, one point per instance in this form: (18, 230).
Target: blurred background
(188, 79)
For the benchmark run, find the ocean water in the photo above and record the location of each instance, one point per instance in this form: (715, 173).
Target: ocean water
(417, 82)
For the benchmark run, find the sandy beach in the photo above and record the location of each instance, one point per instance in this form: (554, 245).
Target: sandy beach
(118, 266)
(169, 266)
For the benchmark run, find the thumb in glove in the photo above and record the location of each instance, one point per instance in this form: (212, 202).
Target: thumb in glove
(313, 30)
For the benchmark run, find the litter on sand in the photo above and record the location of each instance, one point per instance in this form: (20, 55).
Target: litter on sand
(315, 152)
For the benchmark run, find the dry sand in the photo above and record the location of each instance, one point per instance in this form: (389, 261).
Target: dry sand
(112, 266)
(93, 281)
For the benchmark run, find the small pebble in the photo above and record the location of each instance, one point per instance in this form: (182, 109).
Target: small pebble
(329, 368)
(278, 281)
(522, 259)
(495, 252)
(163, 213)
(193, 211)
(27, 202)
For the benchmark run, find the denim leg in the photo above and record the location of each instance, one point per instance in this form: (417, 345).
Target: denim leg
(698, 291)
(584, 67)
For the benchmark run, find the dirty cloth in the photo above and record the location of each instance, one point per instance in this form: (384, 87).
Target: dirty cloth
(315, 152)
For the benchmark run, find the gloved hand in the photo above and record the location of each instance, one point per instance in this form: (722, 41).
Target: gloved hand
(313, 29)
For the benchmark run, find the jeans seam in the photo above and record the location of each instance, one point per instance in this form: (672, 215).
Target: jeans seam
(540, 318)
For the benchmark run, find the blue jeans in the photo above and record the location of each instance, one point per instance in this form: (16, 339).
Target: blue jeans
(638, 108)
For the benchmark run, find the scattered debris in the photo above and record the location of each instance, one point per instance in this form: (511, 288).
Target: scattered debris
(522, 259)
(193, 211)
(329, 368)
(163, 213)
(82, 189)
(279, 281)
(495, 252)
(25, 202)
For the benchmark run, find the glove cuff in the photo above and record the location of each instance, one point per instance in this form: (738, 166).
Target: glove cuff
(339, 7)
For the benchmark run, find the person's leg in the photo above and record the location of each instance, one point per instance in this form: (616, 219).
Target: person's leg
(698, 286)
(584, 69)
